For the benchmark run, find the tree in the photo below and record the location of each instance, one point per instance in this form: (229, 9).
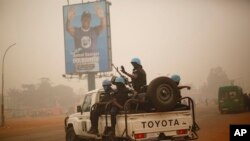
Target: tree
(217, 77)
(41, 95)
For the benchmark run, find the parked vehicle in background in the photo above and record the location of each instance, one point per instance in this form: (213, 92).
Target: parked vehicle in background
(231, 99)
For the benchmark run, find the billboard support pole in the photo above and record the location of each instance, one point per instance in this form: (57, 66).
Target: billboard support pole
(91, 81)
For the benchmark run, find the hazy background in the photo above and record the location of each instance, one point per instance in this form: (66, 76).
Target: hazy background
(182, 37)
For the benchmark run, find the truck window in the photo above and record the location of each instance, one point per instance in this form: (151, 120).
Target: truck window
(101, 96)
(86, 104)
(224, 96)
(229, 95)
(232, 94)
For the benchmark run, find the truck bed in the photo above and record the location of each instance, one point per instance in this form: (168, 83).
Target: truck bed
(150, 124)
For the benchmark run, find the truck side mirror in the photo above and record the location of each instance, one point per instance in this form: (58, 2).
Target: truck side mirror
(79, 109)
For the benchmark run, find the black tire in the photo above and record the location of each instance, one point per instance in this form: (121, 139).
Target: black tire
(70, 135)
(163, 93)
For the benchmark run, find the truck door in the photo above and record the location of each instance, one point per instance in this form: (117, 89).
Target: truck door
(86, 113)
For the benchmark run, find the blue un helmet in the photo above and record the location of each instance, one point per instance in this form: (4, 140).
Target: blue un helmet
(106, 84)
(120, 80)
(176, 78)
(136, 61)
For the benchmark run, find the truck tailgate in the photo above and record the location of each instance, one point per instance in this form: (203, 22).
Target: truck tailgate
(152, 124)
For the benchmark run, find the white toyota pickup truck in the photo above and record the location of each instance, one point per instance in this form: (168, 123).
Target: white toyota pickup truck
(177, 123)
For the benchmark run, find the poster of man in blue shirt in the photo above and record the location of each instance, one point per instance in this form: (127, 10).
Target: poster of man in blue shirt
(87, 46)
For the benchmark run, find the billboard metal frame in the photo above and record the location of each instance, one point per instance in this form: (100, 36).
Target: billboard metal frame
(105, 53)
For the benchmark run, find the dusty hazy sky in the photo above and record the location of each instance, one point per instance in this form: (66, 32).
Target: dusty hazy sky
(170, 36)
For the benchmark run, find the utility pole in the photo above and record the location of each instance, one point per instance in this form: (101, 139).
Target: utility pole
(2, 106)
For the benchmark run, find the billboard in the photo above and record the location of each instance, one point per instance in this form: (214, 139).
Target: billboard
(87, 37)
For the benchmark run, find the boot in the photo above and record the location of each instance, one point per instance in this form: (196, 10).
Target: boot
(93, 130)
(112, 130)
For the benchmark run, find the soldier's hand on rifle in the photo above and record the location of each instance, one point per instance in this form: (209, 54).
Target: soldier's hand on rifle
(123, 69)
(114, 101)
(135, 94)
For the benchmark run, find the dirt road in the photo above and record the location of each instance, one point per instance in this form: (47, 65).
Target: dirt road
(214, 126)
(33, 129)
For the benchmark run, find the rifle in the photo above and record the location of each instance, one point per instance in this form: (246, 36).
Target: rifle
(117, 70)
(125, 78)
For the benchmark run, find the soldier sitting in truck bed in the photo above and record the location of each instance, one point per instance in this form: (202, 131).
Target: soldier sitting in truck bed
(100, 109)
(118, 101)
(138, 76)
(176, 78)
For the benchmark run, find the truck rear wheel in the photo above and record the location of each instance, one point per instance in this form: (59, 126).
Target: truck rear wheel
(70, 135)
(163, 93)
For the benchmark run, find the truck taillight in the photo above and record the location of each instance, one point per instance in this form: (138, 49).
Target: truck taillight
(182, 131)
(140, 136)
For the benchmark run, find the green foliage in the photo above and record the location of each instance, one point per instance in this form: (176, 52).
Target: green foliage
(42, 95)
(217, 77)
